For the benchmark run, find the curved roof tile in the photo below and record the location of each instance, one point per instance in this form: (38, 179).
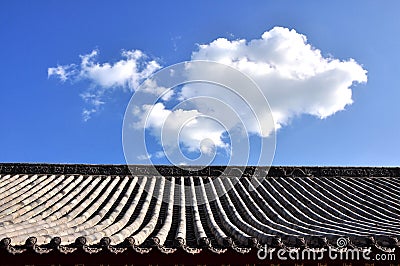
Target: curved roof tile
(94, 208)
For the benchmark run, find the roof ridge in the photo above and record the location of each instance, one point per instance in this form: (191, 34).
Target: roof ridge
(213, 171)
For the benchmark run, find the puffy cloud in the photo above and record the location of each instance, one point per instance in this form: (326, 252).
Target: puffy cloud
(294, 76)
(173, 127)
(125, 74)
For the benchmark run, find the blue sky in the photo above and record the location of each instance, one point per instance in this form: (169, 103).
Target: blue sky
(42, 116)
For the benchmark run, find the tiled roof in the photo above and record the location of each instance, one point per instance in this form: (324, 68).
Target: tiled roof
(108, 208)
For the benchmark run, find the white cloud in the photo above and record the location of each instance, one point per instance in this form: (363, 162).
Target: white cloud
(92, 98)
(62, 72)
(143, 157)
(293, 75)
(87, 113)
(125, 74)
(159, 154)
(150, 86)
(174, 127)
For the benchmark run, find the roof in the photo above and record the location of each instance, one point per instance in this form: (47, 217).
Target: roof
(114, 208)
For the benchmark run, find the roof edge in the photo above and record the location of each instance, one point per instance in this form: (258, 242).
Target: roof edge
(213, 171)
